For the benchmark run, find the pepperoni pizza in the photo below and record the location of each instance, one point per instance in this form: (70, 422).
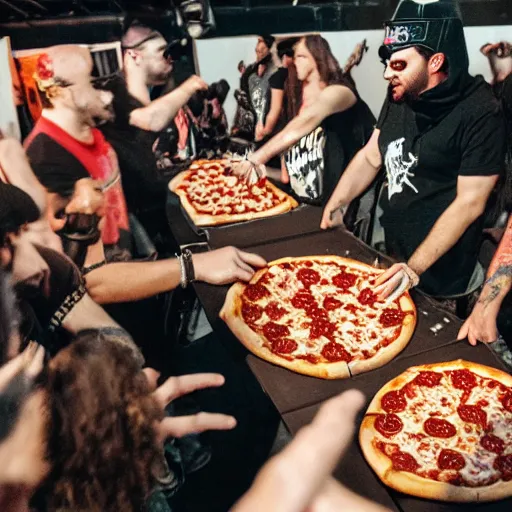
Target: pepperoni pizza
(443, 431)
(317, 315)
(211, 195)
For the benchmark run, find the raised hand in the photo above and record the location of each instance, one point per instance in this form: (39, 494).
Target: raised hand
(333, 216)
(173, 388)
(298, 479)
(226, 265)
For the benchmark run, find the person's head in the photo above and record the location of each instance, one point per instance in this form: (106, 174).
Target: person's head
(412, 71)
(65, 83)
(424, 45)
(314, 59)
(102, 443)
(147, 48)
(263, 46)
(17, 254)
(285, 50)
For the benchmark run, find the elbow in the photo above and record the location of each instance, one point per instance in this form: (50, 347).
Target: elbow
(95, 289)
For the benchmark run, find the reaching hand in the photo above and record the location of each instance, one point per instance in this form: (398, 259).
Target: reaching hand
(250, 172)
(195, 83)
(87, 199)
(501, 50)
(333, 216)
(395, 281)
(226, 265)
(480, 325)
(173, 388)
(298, 479)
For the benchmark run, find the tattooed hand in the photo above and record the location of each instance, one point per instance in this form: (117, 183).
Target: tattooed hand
(481, 324)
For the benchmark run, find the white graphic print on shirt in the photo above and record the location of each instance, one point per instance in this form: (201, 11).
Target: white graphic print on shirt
(305, 164)
(398, 169)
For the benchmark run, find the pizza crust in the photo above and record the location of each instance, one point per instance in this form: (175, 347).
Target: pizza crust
(413, 484)
(232, 315)
(286, 204)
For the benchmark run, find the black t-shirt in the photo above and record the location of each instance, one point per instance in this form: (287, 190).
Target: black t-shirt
(422, 169)
(278, 79)
(42, 312)
(144, 185)
(315, 163)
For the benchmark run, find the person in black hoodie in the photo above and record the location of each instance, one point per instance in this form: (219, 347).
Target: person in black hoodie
(440, 138)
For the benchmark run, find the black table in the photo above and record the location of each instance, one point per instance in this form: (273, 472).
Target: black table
(289, 390)
(353, 470)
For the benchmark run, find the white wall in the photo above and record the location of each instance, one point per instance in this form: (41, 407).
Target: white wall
(218, 58)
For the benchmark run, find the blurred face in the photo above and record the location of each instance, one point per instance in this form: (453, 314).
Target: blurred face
(156, 67)
(407, 74)
(286, 61)
(304, 61)
(261, 49)
(94, 106)
(30, 272)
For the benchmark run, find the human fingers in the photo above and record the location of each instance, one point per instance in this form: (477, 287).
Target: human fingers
(308, 459)
(387, 288)
(463, 331)
(36, 364)
(390, 272)
(152, 376)
(180, 426)
(255, 260)
(473, 340)
(10, 369)
(404, 285)
(175, 387)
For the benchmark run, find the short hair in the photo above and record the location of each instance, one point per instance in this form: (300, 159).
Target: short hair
(267, 39)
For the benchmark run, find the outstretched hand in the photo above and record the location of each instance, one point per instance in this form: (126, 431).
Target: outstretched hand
(298, 479)
(175, 387)
(395, 281)
(333, 216)
(226, 265)
(480, 325)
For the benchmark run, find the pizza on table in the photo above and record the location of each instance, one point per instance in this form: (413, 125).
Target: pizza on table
(443, 431)
(212, 195)
(317, 315)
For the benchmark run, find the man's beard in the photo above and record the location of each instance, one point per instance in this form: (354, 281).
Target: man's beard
(159, 78)
(408, 96)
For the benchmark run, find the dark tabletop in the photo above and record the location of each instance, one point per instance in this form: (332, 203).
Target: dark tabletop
(353, 470)
(289, 390)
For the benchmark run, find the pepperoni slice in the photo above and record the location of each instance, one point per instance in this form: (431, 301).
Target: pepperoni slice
(367, 297)
(273, 331)
(274, 311)
(286, 266)
(391, 317)
(284, 346)
(450, 459)
(503, 464)
(463, 379)
(404, 462)
(437, 427)
(321, 327)
(303, 300)
(493, 443)
(334, 352)
(428, 379)
(472, 414)
(330, 303)
(344, 280)
(507, 401)
(308, 276)
(388, 424)
(393, 401)
(255, 292)
(251, 312)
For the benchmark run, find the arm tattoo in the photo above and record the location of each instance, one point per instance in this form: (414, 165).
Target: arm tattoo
(496, 283)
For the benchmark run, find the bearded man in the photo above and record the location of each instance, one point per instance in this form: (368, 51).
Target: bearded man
(441, 141)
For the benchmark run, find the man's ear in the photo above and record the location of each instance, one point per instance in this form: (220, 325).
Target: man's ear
(134, 55)
(436, 62)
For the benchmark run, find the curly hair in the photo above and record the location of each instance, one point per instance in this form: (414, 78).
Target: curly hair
(101, 438)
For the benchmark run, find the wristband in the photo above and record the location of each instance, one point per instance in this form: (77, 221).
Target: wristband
(189, 266)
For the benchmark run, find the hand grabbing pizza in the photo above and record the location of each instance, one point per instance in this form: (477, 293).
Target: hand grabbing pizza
(298, 479)
(395, 281)
(251, 172)
(226, 265)
(175, 387)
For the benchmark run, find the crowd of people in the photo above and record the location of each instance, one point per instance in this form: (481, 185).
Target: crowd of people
(85, 249)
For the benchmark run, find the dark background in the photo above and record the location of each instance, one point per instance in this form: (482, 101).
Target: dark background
(32, 24)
